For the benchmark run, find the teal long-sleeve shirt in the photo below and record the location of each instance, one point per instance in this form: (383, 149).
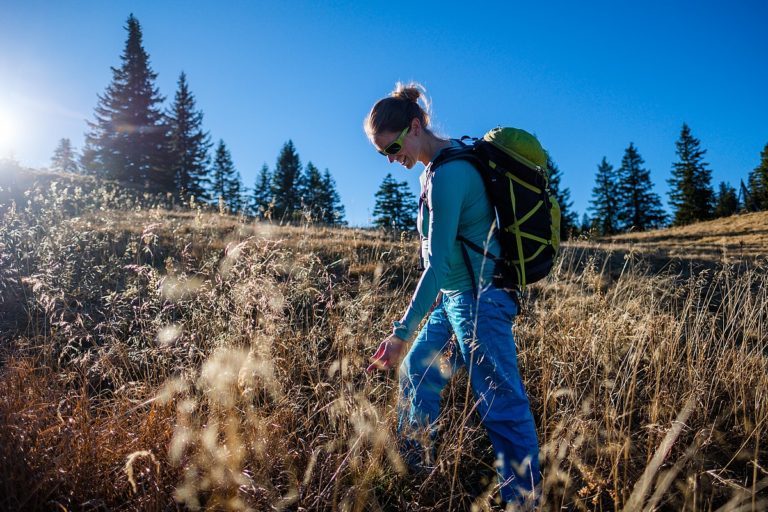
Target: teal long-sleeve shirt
(456, 204)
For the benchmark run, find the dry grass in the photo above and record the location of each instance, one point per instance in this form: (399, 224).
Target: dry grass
(736, 237)
(154, 359)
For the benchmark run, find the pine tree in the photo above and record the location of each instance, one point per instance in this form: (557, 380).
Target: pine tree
(585, 225)
(394, 208)
(690, 194)
(226, 180)
(313, 200)
(333, 210)
(63, 159)
(286, 183)
(319, 197)
(189, 144)
(568, 218)
(727, 201)
(758, 182)
(605, 200)
(745, 198)
(128, 140)
(639, 207)
(262, 194)
(235, 193)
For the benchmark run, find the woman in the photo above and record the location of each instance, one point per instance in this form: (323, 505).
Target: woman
(454, 203)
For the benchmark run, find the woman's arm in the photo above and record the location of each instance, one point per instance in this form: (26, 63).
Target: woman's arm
(444, 197)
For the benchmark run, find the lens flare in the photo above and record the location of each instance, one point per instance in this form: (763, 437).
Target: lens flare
(7, 133)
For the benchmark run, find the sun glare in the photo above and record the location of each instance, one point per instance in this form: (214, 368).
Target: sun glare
(7, 133)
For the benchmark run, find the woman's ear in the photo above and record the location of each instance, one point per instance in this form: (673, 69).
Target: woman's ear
(415, 126)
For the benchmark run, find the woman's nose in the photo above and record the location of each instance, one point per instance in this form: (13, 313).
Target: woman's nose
(391, 158)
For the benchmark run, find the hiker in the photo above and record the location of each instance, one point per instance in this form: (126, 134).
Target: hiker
(456, 289)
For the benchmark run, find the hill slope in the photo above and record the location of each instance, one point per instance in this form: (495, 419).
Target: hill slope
(154, 356)
(742, 236)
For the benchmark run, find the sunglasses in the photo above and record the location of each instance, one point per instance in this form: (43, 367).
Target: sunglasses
(396, 144)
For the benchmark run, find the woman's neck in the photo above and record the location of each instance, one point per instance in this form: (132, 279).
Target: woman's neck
(432, 145)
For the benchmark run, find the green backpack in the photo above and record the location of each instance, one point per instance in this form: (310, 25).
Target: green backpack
(513, 166)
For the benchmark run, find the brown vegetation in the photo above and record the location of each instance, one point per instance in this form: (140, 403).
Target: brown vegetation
(153, 359)
(731, 238)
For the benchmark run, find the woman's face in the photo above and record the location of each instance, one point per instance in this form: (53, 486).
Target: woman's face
(407, 156)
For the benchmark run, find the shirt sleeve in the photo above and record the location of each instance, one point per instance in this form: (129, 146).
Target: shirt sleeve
(444, 198)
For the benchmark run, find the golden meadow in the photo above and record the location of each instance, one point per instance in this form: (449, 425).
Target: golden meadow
(158, 358)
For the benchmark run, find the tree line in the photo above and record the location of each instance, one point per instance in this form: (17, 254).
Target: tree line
(622, 198)
(133, 140)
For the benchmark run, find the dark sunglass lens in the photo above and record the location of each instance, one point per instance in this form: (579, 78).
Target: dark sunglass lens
(392, 148)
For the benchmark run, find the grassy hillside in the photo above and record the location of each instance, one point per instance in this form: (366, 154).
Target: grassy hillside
(152, 357)
(736, 237)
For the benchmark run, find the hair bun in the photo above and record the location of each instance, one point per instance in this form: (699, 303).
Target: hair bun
(411, 91)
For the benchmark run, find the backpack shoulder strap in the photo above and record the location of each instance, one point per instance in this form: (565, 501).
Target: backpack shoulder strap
(463, 152)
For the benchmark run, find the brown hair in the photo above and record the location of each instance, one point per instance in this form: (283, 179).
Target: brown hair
(395, 112)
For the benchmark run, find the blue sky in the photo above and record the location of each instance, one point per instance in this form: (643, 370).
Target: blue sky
(587, 78)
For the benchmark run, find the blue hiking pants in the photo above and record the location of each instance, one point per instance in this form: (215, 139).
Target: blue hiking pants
(486, 348)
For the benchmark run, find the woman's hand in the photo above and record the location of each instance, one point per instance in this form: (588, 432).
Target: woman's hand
(388, 355)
